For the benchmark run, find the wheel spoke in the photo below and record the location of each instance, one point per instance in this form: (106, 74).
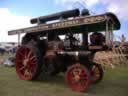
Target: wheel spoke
(94, 68)
(33, 60)
(20, 54)
(29, 54)
(33, 57)
(22, 68)
(26, 51)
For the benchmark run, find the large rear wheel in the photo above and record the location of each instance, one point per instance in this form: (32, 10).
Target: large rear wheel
(77, 77)
(27, 63)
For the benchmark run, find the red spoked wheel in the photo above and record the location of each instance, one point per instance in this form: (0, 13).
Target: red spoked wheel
(77, 77)
(26, 63)
(96, 73)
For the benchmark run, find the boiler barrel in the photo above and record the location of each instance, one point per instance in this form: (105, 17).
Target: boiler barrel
(63, 15)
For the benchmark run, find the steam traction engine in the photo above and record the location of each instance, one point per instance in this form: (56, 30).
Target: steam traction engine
(65, 42)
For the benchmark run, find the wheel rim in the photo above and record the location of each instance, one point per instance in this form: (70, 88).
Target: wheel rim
(77, 77)
(96, 74)
(26, 63)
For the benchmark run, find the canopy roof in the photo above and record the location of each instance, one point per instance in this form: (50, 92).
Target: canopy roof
(77, 25)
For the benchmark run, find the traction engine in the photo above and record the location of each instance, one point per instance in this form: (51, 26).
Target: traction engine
(65, 42)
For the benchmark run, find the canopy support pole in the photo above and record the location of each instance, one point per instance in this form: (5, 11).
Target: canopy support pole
(18, 39)
(112, 36)
(106, 34)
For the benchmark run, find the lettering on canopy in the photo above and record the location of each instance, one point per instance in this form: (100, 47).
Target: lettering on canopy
(67, 23)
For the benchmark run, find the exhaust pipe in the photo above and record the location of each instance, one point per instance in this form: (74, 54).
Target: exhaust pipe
(63, 15)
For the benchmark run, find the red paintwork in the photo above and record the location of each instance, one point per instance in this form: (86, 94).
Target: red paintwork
(26, 63)
(82, 83)
(95, 74)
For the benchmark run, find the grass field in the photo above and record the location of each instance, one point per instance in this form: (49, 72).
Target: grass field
(115, 83)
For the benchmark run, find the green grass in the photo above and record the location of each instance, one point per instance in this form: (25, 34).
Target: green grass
(115, 83)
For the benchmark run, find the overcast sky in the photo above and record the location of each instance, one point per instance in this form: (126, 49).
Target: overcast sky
(16, 14)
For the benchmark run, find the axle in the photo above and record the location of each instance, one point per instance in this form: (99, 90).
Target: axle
(74, 53)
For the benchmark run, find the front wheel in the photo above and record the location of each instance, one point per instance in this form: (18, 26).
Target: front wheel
(77, 77)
